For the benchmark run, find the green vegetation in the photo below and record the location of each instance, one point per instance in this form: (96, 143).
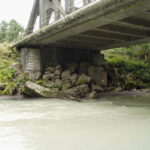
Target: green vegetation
(5, 60)
(6, 73)
(129, 68)
(11, 76)
(10, 31)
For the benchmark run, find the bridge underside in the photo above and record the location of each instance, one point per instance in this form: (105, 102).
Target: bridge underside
(103, 24)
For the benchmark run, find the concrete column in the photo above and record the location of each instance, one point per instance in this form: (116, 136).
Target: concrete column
(97, 72)
(33, 64)
(98, 59)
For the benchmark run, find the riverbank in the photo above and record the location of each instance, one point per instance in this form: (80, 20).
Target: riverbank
(14, 97)
(128, 69)
(134, 93)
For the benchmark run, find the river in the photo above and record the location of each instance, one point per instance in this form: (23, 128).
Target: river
(109, 123)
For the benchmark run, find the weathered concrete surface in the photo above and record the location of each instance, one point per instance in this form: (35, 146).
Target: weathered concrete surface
(31, 62)
(100, 25)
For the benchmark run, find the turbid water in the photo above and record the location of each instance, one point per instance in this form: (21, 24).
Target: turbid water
(110, 123)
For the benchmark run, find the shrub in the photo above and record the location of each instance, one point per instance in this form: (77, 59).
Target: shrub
(129, 67)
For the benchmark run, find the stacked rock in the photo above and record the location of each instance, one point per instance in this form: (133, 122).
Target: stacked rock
(76, 80)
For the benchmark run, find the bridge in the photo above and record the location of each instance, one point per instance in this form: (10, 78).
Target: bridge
(76, 30)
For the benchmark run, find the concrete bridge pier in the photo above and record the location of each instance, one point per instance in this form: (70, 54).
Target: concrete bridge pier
(31, 62)
(35, 61)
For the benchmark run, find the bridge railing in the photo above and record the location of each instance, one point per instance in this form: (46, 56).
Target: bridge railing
(45, 12)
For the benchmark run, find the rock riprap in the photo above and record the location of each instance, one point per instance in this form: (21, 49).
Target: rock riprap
(72, 81)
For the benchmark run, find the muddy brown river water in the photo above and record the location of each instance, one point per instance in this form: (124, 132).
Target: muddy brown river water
(109, 123)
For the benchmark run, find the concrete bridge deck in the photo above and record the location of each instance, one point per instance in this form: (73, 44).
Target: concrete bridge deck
(102, 24)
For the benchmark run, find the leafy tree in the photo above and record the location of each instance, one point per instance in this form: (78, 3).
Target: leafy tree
(10, 31)
(3, 30)
(14, 29)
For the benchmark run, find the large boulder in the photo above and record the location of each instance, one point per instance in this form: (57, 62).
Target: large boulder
(52, 84)
(46, 75)
(78, 91)
(58, 72)
(73, 78)
(48, 84)
(66, 75)
(53, 77)
(98, 75)
(83, 89)
(92, 95)
(83, 79)
(34, 90)
(58, 83)
(66, 86)
(97, 88)
(50, 69)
